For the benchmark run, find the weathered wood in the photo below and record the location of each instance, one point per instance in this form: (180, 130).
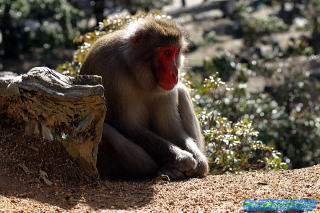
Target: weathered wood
(70, 110)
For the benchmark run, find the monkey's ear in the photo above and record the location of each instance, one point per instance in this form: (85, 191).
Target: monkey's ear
(136, 38)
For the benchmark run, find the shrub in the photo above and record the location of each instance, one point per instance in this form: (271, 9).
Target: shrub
(314, 23)
(232, 140)
(251, 28)
(35, 23)
(298, 47)
(146, 5)
(286, 114)
(233, 147)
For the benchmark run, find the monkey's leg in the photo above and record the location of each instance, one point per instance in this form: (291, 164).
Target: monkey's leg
(174, 161)
(119, 157)
(194, 144)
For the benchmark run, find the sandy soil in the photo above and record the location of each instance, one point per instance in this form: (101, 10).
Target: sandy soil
(38, 176)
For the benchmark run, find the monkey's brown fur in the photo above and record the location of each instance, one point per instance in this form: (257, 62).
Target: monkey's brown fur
(148, 130)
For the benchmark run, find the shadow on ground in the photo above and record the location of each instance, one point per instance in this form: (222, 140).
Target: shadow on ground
(41, 170)
(100, 195)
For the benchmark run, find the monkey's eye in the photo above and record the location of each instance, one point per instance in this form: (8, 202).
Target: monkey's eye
(167, 52)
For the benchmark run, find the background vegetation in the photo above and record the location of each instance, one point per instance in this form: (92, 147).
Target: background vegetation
(272, 125)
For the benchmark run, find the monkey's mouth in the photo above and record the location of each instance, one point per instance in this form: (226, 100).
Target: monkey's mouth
(166, 86)
(169, 79)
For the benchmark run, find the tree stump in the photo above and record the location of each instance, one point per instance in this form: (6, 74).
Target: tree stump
(70, 110)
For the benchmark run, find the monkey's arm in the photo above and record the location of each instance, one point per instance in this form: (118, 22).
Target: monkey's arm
(188, 117)
(194, 144)
(159, 148)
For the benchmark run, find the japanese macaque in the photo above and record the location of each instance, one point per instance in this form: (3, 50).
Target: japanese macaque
(151, 127)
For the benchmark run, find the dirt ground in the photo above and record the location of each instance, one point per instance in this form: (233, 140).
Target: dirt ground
(38, 176)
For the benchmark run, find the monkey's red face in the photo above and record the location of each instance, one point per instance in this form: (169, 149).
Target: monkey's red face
(167, 58)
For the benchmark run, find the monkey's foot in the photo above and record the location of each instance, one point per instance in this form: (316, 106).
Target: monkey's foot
(171, 174)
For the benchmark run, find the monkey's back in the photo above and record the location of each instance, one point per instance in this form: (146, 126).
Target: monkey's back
(103, 55)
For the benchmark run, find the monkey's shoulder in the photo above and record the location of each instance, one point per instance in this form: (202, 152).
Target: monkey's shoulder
(108, 41)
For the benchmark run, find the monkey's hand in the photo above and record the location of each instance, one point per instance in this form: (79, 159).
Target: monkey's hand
(183, 163)
(202, 168)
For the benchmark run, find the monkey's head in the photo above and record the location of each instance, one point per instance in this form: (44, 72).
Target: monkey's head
(155, 52)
